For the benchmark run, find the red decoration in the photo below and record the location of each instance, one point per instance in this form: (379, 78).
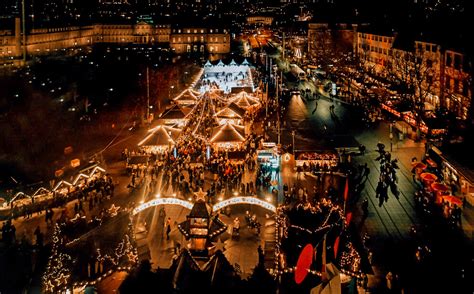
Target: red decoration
(304, 263)
(346, 190)
(348, 218)
(336, 246)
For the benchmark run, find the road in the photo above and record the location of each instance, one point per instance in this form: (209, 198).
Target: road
(388, 225)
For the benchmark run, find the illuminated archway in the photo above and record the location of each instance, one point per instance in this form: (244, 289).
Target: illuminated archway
(244, 200)
(162, 201)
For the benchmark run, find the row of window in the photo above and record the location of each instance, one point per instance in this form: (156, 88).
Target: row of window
(374, 49)
(129, 32)
(457, 86)
(456, 61)
(195, 31)
(375, 38)
(196, 39)
(427, 47)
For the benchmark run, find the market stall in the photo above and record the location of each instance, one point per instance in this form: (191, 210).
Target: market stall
(228, 136)
(320, 160)
(175, 115)
(20, 199)
(245, 100)
(187, 97)
(231, 114)
(160, 139)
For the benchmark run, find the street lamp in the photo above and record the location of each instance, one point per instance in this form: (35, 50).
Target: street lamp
(293, 134)
(169, 92)
(185, 77)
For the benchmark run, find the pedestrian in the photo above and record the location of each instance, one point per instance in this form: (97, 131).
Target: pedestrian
(366, 171)
(168, 228)
(365, 207)
(261, 256)
(177, 248)
(389, 279)
(365, 281)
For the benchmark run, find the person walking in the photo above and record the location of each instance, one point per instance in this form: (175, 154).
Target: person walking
(261, 255)
(168, 228)
(365, 207)
(389, 279)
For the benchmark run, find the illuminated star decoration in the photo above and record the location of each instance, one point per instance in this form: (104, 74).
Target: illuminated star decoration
(113, 210)
(220, 245)
(200, 195)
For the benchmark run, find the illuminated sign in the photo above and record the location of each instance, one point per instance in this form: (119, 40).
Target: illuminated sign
(268, 144)
(244, 200)
(160, 201)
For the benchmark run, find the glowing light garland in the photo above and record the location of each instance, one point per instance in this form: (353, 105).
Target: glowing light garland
(244, 200)
(349, 262)
(58, 270)
(161, 201)
(189, 205)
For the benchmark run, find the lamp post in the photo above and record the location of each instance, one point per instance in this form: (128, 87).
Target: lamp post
(169, 92)
(293, 134)
(147, 94)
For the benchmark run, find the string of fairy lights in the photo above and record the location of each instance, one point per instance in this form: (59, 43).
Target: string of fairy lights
(58, 270)
(349, 261)
(58, 274)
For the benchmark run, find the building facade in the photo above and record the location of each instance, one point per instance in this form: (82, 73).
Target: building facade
(456, 84)
(191, 40)
(44, 41)
(441, 77)
(373, 50)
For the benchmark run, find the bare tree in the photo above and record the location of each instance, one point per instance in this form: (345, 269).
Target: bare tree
(417, 76)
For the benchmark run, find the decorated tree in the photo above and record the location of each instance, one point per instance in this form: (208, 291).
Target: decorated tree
(58, 270)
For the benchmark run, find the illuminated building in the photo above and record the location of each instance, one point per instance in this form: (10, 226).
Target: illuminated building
(45, 40)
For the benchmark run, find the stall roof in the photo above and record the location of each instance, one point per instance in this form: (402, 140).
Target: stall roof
(187, 96)
(160, 136)
(231, 111)
(228, 133)
(174, 112)
(243, 99)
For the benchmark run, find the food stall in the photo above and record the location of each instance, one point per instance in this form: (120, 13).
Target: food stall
(228, 137)
(324, 159)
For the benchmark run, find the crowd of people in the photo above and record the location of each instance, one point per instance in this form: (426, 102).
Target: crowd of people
(388, 175)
